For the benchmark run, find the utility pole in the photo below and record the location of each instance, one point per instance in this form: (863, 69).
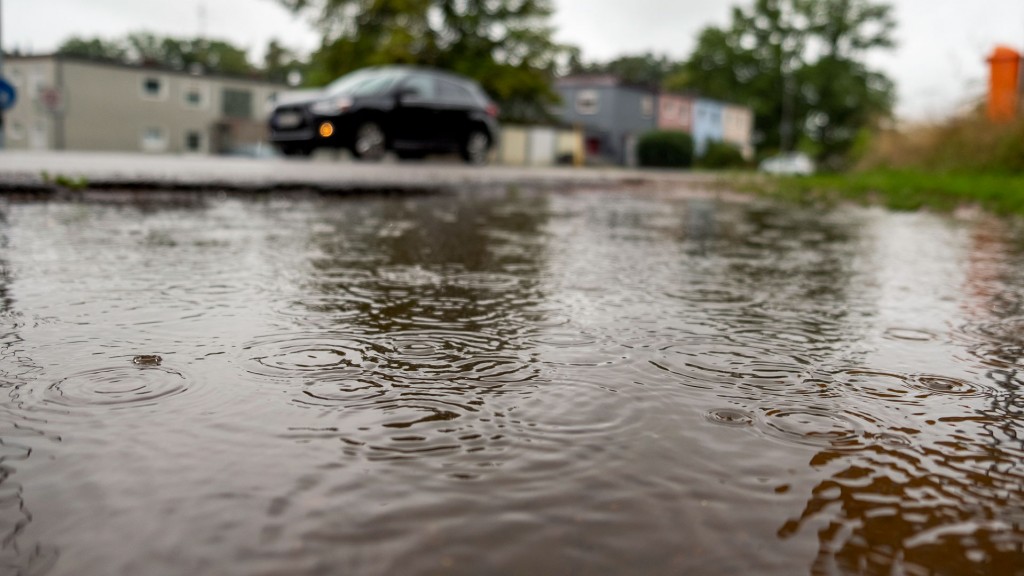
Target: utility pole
(786, 125)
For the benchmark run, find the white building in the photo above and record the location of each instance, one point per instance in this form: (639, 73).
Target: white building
(71, 103)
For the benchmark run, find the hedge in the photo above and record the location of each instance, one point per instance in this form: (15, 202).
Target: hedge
(665, 149)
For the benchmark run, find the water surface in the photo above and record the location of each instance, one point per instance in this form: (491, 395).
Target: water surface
(508, 383)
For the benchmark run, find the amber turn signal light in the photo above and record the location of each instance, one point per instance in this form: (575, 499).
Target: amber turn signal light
(326, 129)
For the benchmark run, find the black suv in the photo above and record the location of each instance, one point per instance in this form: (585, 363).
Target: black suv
(412, 111)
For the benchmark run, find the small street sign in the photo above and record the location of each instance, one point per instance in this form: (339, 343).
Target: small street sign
(52, 99)
(8, 96)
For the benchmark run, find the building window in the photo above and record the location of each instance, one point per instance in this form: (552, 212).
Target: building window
(153, 88)
(193, 141)
(647, 106)
(237, 103)
(587, 102)
(194, 96)
(154, 139)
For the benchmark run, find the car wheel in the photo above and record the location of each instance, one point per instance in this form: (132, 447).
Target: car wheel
(476, 148)
(369, 143)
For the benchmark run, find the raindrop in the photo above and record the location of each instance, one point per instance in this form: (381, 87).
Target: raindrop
(947, 385)
(147, 360)
(909, 334)
(730, 417)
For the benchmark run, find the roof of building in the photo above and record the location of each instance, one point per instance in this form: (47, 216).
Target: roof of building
(141, 67)
(600, 81)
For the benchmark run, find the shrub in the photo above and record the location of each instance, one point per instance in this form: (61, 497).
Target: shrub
(665, 149)
(720, 155)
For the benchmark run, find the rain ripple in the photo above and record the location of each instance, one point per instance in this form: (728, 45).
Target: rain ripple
(117, 386)
(286, 356)
(900, 388)
(816, 426)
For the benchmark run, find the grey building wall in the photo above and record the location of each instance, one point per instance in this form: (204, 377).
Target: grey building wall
(622, 113)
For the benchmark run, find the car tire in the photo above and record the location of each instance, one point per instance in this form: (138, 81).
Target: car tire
(476, 147)
(369, 142)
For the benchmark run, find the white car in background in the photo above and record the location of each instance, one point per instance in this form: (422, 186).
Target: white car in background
(792, 163)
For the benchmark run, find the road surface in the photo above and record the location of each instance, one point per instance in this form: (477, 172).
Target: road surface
(46, 172)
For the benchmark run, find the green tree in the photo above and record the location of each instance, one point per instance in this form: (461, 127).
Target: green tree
(95, 48)
(179, 53)
(211, 55)
(754, 61)
(799, 64)
(279, 62)
(507, 45)
(645, 69)
(842, 95)
(145, 47)
(219, 56)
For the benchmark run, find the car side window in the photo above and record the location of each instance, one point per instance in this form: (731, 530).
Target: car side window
(374, 85)
(424, 86)
(452, 93)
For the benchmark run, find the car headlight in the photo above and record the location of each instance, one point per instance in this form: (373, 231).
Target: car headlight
(331, 106)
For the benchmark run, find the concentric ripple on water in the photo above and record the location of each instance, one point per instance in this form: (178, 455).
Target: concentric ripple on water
(814, 426)
(945, 385)
(306, 354)
(117, 386)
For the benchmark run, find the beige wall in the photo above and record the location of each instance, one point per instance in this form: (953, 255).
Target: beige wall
(27, 125)
(737, 128)
(104, 107)
(538, 145)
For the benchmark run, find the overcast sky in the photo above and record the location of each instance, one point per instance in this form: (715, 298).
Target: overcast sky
(938, 66)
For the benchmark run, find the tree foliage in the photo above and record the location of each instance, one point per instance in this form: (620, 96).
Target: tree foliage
(182, 54)
(507, 45)
(93, 48)
(279, 62)
(646, 69)
(799, 64)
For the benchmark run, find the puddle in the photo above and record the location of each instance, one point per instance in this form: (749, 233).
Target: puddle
(491, 383)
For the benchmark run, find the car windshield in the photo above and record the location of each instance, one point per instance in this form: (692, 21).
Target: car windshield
(364, 83)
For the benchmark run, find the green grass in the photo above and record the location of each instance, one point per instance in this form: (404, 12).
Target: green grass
(897, 189)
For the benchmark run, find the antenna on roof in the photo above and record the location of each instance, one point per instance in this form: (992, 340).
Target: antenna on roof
(201, 12)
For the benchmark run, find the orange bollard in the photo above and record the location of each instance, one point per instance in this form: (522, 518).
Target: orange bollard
(1004, 84)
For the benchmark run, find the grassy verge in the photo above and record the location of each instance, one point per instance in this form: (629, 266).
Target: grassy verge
(898, 189)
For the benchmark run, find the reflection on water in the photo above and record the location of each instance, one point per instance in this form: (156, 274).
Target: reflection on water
(508, 383)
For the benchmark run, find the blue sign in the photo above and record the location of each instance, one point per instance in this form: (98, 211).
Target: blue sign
(8, 96)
